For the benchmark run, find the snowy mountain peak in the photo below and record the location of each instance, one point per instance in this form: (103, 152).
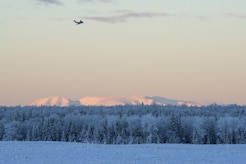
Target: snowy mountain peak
(54, 101)
(109, 101)
(163, 101)
(115, 100)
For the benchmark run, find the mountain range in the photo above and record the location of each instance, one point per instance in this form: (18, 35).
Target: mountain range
(109, 101)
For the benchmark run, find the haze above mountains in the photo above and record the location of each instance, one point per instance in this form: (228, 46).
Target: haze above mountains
(109, 101)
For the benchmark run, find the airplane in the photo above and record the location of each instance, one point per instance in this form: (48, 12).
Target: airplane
(78, 22)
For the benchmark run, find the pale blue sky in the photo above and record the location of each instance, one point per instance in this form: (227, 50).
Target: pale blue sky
(178, 49)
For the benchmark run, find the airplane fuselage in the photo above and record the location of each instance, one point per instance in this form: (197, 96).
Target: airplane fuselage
(78, 22)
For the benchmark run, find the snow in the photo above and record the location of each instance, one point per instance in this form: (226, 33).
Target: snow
(115, 100)
(109, 101)
(54, 101)
(62, 153)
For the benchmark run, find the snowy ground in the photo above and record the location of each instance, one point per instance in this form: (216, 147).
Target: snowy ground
(60, 152)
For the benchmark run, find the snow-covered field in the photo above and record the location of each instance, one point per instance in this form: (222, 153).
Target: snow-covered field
(61, 152)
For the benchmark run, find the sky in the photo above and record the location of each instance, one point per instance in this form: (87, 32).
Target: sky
(178, 49)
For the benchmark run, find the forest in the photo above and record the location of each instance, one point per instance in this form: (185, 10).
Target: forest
(137, 124)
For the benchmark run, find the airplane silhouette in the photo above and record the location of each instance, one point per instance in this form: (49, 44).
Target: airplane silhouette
(78, 22)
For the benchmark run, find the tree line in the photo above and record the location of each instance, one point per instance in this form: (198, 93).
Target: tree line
(213, 124)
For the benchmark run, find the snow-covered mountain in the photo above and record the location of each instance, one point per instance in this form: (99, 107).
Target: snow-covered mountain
(55, 101)
(115, 100)
(163, 101)
(109, 101)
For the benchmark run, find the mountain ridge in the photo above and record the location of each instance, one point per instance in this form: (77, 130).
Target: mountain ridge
(109, 101)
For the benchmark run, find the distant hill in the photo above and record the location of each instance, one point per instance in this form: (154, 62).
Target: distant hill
(55, 101)
(109, 101)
